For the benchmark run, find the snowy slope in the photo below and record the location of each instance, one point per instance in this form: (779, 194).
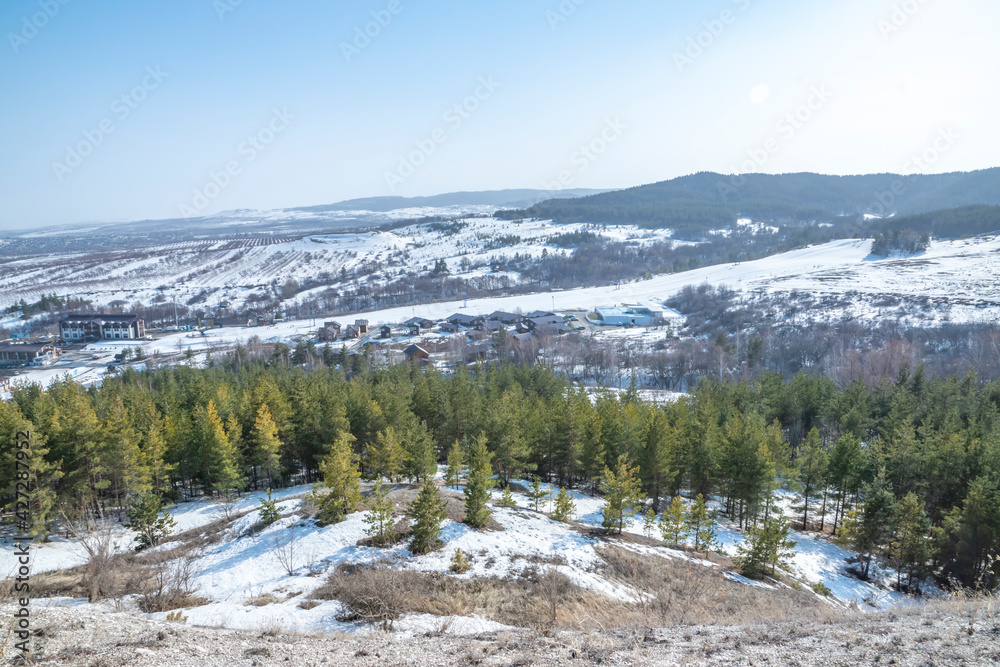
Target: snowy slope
(248, 587)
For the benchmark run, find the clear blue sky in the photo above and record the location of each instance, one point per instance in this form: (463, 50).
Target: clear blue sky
(621, 77)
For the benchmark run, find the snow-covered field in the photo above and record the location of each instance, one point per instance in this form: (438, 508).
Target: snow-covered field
(244, 567)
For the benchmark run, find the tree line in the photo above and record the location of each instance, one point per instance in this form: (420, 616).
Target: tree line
(912, 461)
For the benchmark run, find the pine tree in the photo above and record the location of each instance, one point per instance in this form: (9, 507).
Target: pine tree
(621, 495)
(751, 553)
(125, 467)
(268, 511)
(536, 494)
(673, 527)
(869, 528)
(649, 521)
(420, 459)
(507, 499)
(28, 465)
(779, 547)
(700, 525)
(265, 441)
(478, 484)
(427, 511)
(656, 461)
(342, 477)
(146, 516)
(386, 454)
(218, 456)
(565, 507)
(379, 517)
(456, 459)
(154, 455)
(910, 548)
(812, 471)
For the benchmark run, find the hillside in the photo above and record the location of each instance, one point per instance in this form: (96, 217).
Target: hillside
(950, 634)
(708, 200)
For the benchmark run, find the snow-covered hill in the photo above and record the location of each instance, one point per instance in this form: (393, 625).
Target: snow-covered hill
(252, 579)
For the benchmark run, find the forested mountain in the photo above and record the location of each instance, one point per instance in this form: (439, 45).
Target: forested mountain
(708, 200)
(910, 456)
(948, 224)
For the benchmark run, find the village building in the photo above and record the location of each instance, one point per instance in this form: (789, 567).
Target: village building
(19, 355)
(508, 319)
(421, 322)
(629, 315)
(416, 353)
(463, 320)
(88, 327)
(329, 332)
(362, 326)
(385, 331)
(545, 321)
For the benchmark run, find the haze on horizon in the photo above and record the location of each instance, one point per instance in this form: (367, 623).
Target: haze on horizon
(130, 111)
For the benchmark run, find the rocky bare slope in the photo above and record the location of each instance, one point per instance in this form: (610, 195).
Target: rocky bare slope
(938, 634)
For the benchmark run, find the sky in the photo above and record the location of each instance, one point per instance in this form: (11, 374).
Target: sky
(176, 108)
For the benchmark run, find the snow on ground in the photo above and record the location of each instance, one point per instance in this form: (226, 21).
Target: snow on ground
(958, 274)
(246, 578)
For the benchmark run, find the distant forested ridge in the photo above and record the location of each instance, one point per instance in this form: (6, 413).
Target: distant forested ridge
(908, 457)
(709, 201)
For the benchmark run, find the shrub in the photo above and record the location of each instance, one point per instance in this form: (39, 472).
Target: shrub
(821, 588)
(269, 510)
(460, 562)
(373, 594)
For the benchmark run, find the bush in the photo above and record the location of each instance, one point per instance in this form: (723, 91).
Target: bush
(821, 588)
(373, 594)
(460, 562)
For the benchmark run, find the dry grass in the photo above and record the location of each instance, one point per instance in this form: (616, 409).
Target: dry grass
(682, 592)
(667, 592)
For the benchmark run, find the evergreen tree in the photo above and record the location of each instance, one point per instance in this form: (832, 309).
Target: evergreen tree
(478, 484)
(536, 494)
(512, 452)
(28, 466)
(811, 474)
(649, 521)
(910, 549)
(655, 464)
(420, 459)
(621, 495)
(506, 499)
(868, 529)
(126, 469)
(342, 477)
(154, 455)
(379, 517)
(268, 511)
(264, 436)
(456, 461)
(673, 527)
(779, 548)
(427, 511)
(700, 525)
(218, 456)
(564, 507)
(146, 517)
(386, 454)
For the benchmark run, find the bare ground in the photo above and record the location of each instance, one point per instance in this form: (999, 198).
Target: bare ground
(939, 633)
